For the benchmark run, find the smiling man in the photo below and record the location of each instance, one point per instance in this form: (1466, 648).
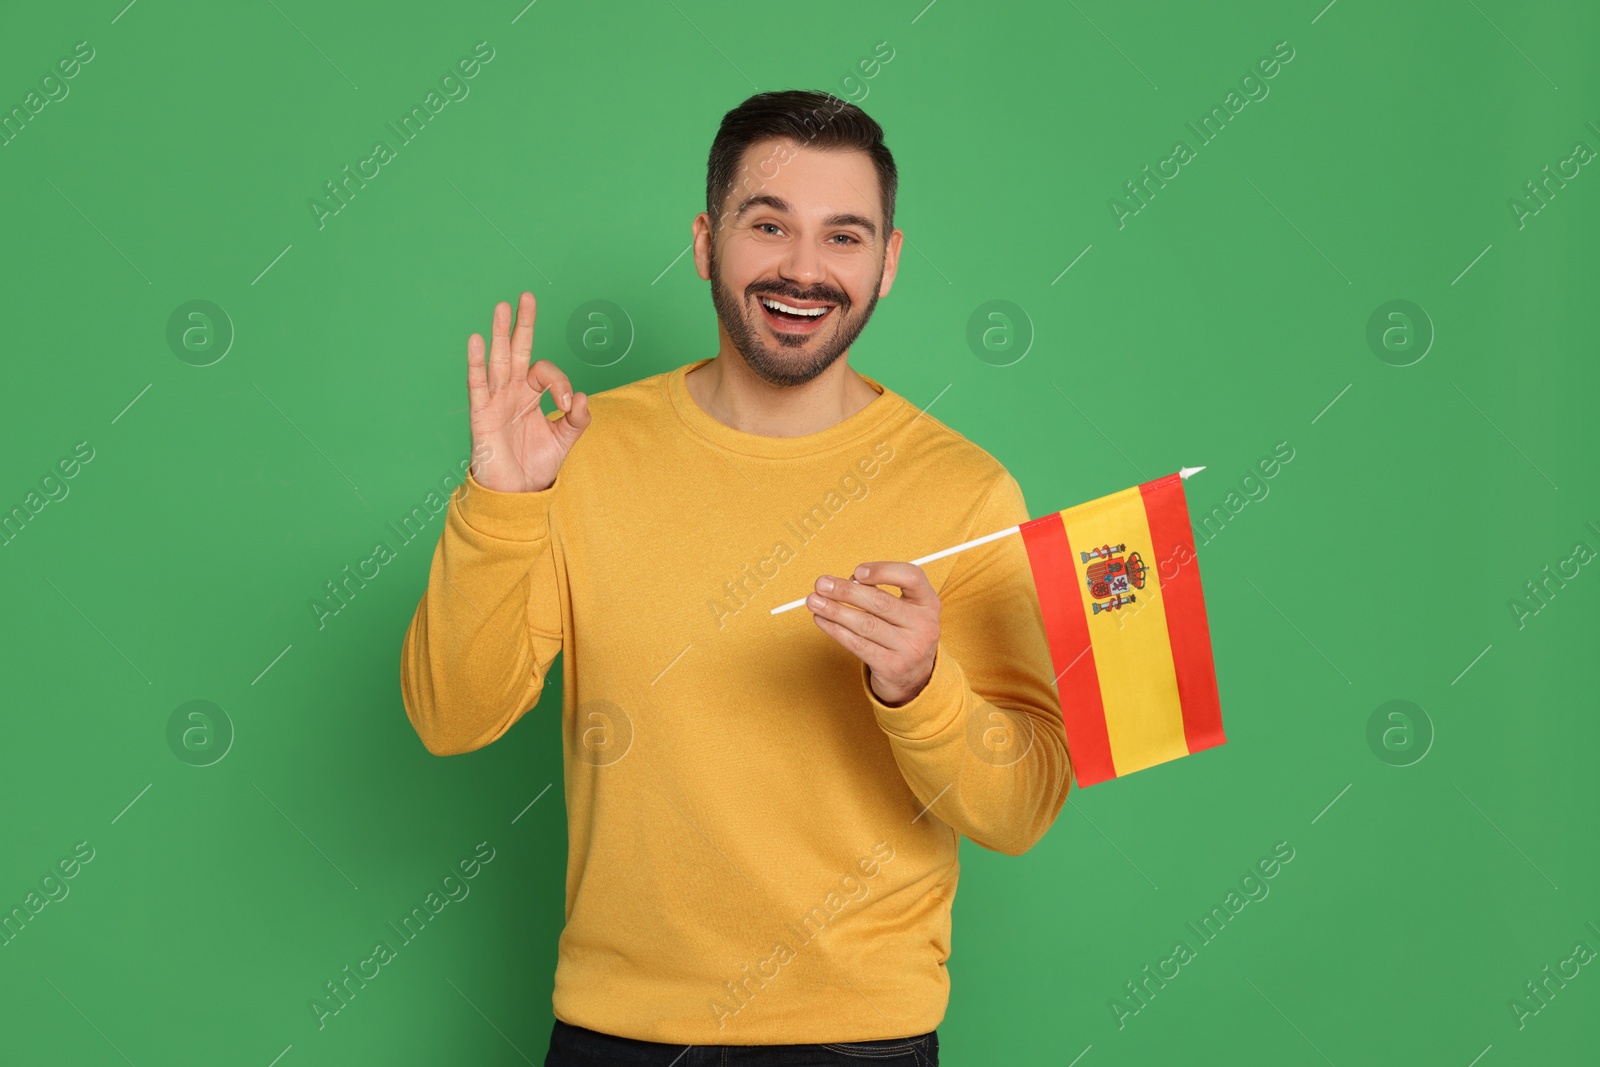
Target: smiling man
(763, 812)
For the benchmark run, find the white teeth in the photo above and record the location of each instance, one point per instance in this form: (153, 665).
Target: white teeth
(778, 305)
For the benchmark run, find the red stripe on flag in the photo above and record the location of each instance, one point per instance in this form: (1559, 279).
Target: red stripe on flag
(1060, 602)
(1167, 512)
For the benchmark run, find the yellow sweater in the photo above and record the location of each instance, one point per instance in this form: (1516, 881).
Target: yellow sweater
(759, 850)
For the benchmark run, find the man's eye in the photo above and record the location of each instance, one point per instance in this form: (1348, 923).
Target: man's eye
(847, 237)
(760, 225)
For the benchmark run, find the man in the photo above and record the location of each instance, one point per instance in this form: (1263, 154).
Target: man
(763, 812)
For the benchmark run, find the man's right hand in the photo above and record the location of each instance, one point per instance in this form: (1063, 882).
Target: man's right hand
(516, 448)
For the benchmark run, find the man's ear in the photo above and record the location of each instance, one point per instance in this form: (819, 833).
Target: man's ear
(700, 230)
(891, 262)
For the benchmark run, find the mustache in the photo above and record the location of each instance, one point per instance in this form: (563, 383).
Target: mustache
(828, 295)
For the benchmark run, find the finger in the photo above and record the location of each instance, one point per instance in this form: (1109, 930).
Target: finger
(477, 376)
(546, 375)
(910, 579)
(577, 417)
(568, 426)
(867, 598)
(522, 336)
(500, 347)
(879, 658)
(863, 624)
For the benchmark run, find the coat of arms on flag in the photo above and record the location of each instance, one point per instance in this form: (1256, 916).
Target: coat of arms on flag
(1112, 578)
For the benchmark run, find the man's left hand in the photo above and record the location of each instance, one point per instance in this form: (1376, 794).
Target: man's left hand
(897, 637)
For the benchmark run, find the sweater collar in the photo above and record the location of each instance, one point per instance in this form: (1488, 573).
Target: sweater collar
(847, 431)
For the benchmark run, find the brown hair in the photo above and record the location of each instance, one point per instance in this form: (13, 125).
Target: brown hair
(816, 120)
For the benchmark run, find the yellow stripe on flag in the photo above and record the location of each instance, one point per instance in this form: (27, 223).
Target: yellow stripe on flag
(1132, 652)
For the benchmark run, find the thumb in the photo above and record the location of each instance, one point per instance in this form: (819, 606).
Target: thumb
(576, 419)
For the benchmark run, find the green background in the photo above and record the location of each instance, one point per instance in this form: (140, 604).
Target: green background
(1436, 870)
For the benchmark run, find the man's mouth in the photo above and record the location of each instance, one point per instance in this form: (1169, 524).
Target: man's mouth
(794, 316)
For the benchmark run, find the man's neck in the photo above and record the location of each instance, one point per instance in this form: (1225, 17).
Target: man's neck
(730, 392)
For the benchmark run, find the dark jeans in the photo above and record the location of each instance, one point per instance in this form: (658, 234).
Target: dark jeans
(575, 1046)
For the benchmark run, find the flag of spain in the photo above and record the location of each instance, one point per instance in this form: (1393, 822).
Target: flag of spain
(1119, 589)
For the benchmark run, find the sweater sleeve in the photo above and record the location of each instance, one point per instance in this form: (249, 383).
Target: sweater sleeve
(983, 744)
(488, 626)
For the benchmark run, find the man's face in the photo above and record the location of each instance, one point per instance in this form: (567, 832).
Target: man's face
(803, 227)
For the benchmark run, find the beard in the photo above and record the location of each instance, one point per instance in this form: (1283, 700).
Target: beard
(788, 362)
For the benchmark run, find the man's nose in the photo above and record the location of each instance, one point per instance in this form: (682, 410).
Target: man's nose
(802, 264)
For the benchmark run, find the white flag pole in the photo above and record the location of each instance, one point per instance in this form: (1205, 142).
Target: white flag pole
(1185, 472)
